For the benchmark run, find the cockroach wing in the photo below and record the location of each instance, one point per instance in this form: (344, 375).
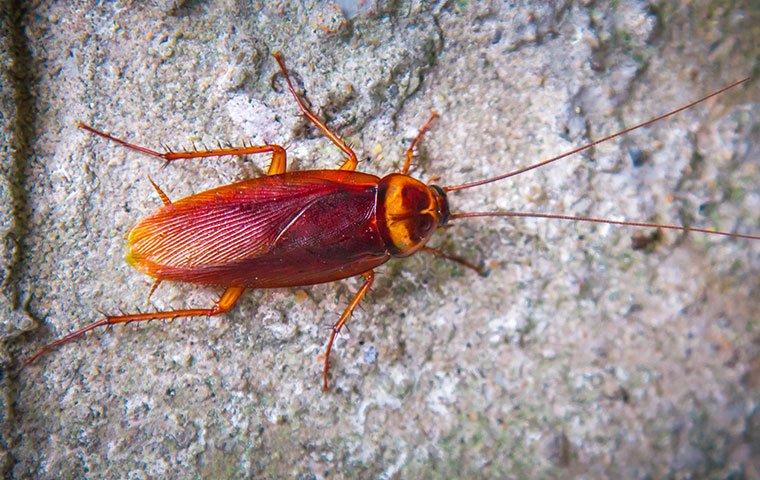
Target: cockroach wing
(220, 226)
(207, 231)
(286, 229)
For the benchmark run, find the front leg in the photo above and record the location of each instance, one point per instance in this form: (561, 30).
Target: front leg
(410, 151)
(455, 258)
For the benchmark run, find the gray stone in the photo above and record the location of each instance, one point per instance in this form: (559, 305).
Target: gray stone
(578, 356)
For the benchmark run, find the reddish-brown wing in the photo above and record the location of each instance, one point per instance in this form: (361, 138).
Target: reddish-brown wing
(297, 228)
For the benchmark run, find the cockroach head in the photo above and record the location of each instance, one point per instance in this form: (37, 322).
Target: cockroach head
(409, 212)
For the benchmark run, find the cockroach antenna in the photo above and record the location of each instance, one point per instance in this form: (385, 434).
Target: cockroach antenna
(477, 183)
(561, 216)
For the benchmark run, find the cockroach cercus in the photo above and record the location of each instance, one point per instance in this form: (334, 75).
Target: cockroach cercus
(288, 229)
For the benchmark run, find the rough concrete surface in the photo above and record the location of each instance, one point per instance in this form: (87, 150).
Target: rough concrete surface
(579, 355)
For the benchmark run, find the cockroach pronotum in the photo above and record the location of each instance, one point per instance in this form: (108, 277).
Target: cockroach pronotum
(282, 229)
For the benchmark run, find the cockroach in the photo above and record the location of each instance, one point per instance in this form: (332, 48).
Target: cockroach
(301, 228)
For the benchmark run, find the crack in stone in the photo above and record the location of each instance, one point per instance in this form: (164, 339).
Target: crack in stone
(20, 132)
(19, 128)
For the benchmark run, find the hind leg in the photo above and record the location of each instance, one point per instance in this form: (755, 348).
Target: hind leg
(224, 304)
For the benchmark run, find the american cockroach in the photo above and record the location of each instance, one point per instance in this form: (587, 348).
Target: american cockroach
(288, 229)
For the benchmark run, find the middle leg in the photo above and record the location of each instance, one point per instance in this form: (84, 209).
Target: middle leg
(351, 161)
(278, 164)
(369, 278)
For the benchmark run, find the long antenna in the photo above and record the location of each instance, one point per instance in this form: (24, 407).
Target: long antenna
(477, 183)
(559, 216)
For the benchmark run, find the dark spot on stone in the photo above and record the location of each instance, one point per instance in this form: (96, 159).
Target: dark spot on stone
(638, 157)
(636, 307)
(646, 241)
(624, 395)
(497, 36)
(560, 450)
(707, 208)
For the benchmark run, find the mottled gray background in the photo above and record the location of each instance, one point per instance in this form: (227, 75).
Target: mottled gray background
(579, 355)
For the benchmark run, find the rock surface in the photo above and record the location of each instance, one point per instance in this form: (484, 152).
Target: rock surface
(579, 355)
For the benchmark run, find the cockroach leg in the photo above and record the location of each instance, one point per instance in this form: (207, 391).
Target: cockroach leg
(465, 263)
(224, 304)
(153, 288)
(351, 161)
(420, 134)
(278, 164)
(369, 278)
(279, 161)
(164, 197)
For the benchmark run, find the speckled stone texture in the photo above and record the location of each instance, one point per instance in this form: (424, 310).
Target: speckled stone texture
(579, 355)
